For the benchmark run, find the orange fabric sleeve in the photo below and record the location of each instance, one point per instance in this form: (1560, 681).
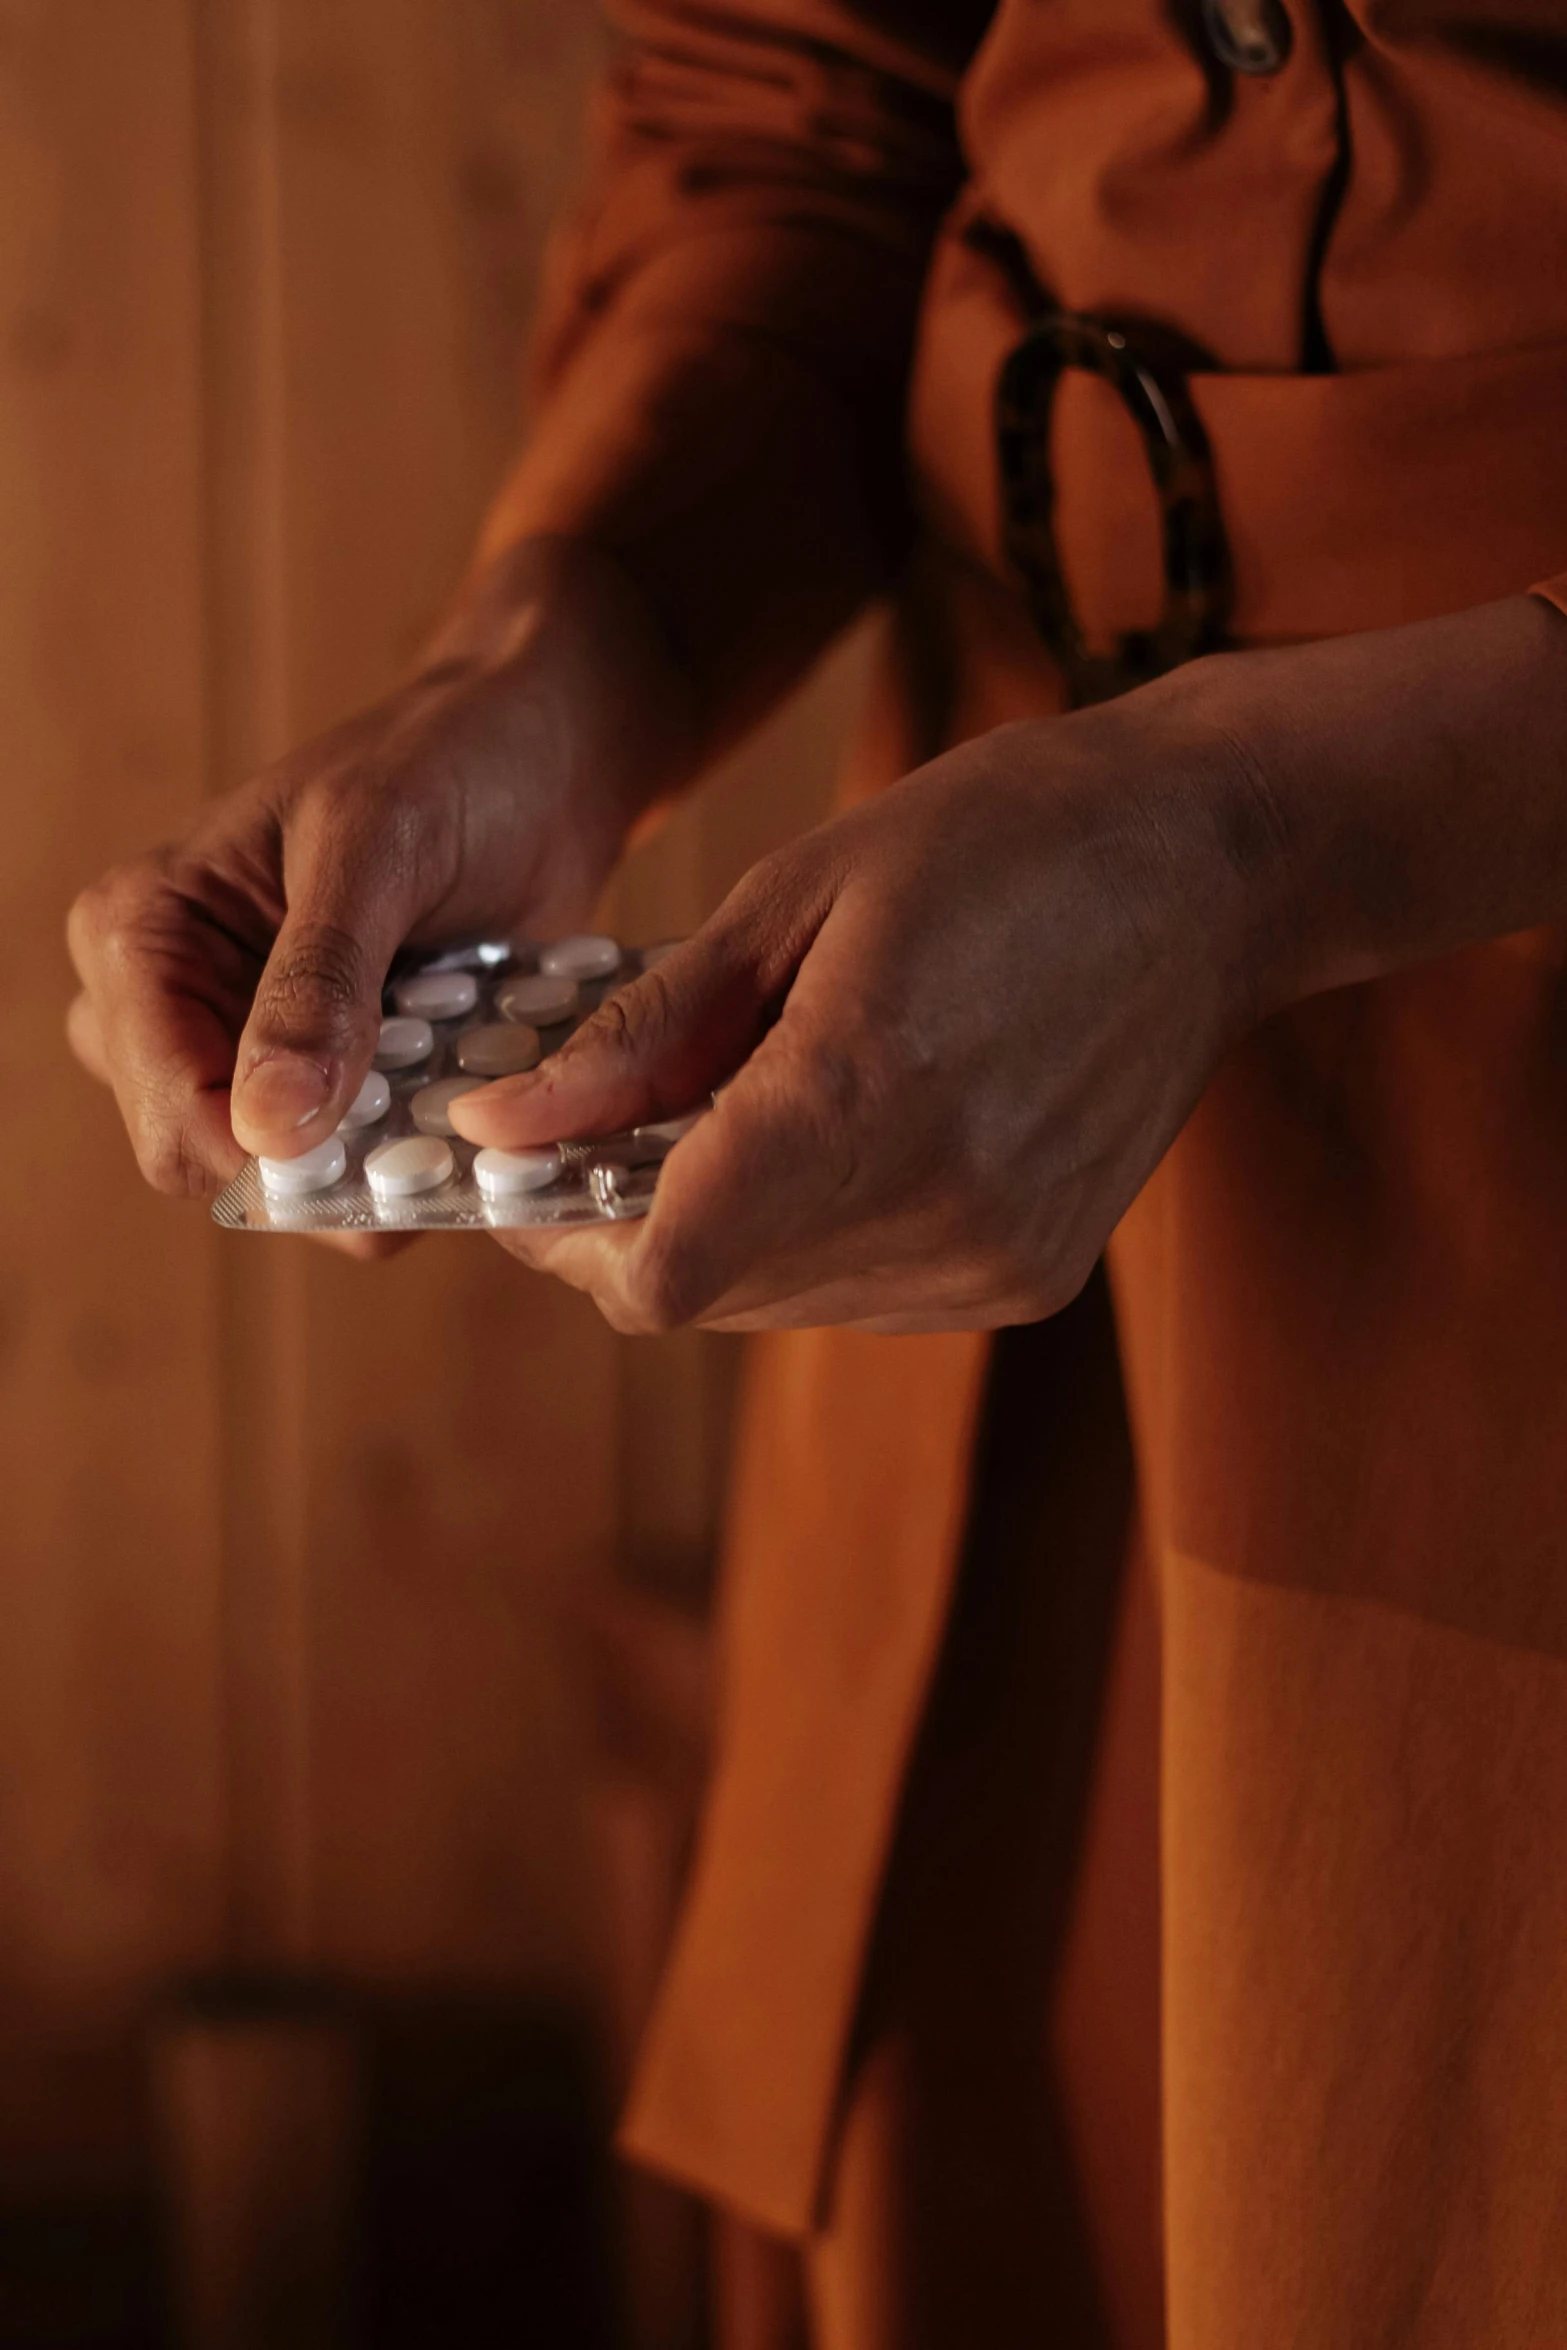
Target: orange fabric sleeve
(725, 337)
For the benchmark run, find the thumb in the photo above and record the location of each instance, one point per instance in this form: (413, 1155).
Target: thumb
(653, 1049)
(312, 1030)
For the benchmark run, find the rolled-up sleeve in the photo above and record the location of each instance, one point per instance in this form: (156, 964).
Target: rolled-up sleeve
(724, 344)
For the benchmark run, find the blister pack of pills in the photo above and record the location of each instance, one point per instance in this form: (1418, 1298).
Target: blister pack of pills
(454, 1023)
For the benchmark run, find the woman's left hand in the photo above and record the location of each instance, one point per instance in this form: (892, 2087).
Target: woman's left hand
(955, 1029)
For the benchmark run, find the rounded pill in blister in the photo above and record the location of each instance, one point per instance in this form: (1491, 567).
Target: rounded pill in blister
(372, 1101)
(431, 1105)
(400, 1170)
(585, 957)
(315, 1170)
(436, 995)
(502, 1050)
(539, 1000)
(505, 1174)
(404, 1043)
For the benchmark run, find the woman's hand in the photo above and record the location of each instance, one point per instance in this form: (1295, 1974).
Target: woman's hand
(962, 1025)
(231, 983)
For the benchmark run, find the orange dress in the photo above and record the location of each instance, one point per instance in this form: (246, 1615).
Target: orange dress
(1331, 1429)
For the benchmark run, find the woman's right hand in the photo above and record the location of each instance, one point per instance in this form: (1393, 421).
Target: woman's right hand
(231, 982)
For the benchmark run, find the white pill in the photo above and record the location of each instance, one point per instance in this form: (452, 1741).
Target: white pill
(436, 995)
(502, 1174)
(372, 1101)
(431, 1105)
(580, 958)
(404, 1043)
(540, 999)
(315, 1170)
(504, 1049)
(419, 1162)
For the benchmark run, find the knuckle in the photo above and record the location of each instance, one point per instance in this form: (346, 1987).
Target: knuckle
(624, 1319)
(1040, 1260)
(109, 911)
(167, 1160)
(630, 1019)
(81, 922)
(762, 888)
(778, 903)
(640, 1011)
(657, 1297)
(1039, 1292)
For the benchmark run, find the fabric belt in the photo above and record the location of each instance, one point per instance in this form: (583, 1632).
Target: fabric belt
(1348, 501)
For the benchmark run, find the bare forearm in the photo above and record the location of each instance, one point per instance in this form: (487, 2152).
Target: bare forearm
(723, 352)
(1396, 794)
(728, 482)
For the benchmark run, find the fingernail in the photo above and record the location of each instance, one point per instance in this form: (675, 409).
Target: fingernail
(285, 1090)
(498, 1094)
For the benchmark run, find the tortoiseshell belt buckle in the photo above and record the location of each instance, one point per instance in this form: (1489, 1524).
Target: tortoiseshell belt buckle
(1153, 389)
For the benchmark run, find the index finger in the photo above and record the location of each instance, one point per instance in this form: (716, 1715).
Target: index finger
(658, 1046)
(759, 1207)
(167, 1004)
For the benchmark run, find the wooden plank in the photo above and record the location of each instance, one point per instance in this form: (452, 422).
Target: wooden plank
(109, 1817)
(458, 1418)
(265, 1766)
(287, 1680)
(468, 1437)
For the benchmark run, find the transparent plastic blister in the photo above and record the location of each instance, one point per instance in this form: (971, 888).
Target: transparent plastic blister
(453, 1022)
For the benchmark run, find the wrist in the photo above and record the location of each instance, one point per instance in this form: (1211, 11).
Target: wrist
(556, 628)
(1206, 833)
(1395, 795)
(1251, 824)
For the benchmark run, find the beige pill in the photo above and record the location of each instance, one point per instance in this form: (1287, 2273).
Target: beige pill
(539, 1000)
(399, 1170)
(431, 1105)
(499, 1051)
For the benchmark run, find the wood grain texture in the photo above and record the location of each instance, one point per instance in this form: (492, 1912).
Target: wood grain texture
(109, 1436)
(288, 1673)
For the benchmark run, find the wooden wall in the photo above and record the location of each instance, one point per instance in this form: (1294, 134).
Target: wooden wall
(286, 1679)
